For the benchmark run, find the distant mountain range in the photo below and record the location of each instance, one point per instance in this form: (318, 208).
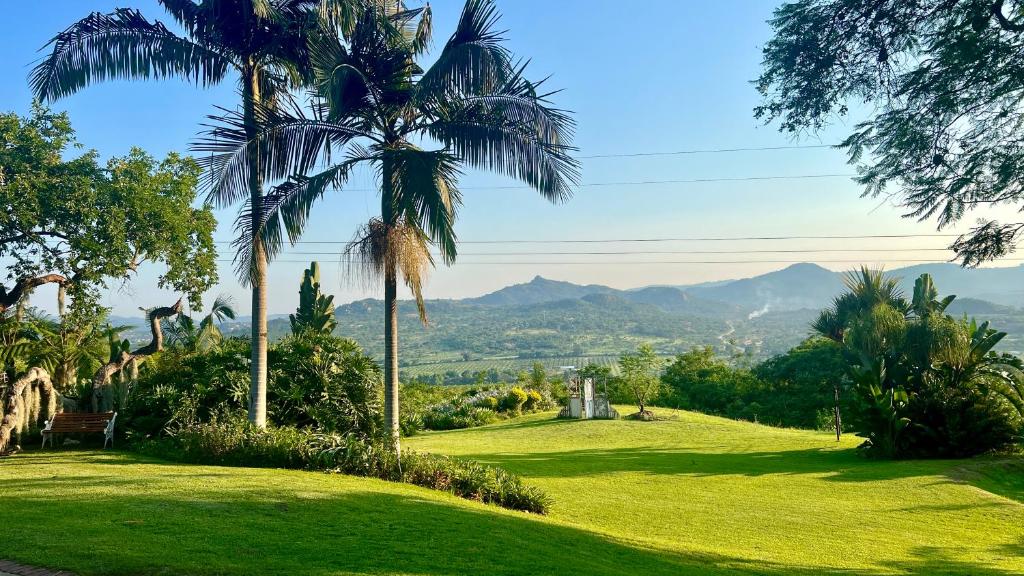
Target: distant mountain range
(800, 286)
(560, 322)
(541, 290)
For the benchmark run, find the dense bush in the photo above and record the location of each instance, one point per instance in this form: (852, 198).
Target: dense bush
(235, 442)
(799, 386)
(926, 384)
(533, 400)
(473, 407)
(418, 398)
(177, 389)
(796, 389)
(457, 415)
(513, 400)
(321, 381)
(314, 381)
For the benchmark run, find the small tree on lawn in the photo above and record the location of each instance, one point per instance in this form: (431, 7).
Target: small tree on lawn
(639, 377)
(538, 377)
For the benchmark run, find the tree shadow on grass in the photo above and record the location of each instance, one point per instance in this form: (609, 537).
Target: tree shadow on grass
(999, 475)
(280, 532)
(183, 523)
(838, 465)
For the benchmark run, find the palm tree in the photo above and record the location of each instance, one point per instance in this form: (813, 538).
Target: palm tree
(373, 105)
(264, 41)
(184, 333)
(209, 327)
(867, 290)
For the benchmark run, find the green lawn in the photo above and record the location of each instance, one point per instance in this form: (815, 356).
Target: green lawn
(694, 495)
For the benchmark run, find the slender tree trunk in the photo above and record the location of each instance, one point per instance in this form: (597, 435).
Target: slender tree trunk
(258, 274)
(838, 418)
(391, 413)
(388, 215)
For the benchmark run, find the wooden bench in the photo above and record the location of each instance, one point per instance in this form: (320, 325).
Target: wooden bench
(78, 423)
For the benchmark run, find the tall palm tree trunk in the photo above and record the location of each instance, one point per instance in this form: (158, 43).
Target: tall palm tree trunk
(391, 353)
(388, 215)
(258, 274)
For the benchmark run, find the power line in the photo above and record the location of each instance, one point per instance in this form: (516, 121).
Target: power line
(664, 262)
(663, 239)
(686, 181)
(648, 182)
(638, 252)
(707, 151)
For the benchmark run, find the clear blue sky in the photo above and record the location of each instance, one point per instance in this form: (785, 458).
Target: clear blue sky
(652, 76)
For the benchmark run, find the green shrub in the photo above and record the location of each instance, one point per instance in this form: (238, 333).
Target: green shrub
(457, 416)
(513, 401)
(533, 400)
(490, 402)
(924, 383)
(418, 398)
(791, 389)
(314, 381)
(238, 443)
(235, 442)
(324, 382)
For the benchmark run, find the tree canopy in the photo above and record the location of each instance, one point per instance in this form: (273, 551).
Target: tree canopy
(940, 83)
(71, 221)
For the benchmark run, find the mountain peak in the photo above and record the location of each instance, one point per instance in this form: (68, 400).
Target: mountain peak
(539, 290)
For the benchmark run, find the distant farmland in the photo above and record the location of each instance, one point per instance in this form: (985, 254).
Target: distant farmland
(551, 364)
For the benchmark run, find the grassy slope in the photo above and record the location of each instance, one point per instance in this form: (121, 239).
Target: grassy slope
(760, 498)
(697, 495)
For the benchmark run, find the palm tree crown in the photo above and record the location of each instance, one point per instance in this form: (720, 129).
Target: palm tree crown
(416, 128)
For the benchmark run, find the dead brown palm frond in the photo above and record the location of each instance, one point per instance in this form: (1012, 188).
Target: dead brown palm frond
(378, 248)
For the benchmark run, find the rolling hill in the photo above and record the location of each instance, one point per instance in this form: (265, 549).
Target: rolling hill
(559, 322)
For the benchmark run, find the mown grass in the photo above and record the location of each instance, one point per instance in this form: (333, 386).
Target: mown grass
(762, 499)
(694, 495)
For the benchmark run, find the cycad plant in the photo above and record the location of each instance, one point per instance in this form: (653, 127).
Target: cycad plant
(416, 128)
(263, 41)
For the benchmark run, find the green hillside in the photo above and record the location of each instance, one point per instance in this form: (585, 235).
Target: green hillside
(691, 495)
(748, 497)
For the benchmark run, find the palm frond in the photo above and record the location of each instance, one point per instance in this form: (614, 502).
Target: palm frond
(122, 44)
(284, 211)
(424, 186)
(511, 130)
(473, 61)
(343, 87)
(265, 9)
(548, 168)
(184, 12)
(288, 143)
(339, 14)
(223, 308)
(415, 25)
